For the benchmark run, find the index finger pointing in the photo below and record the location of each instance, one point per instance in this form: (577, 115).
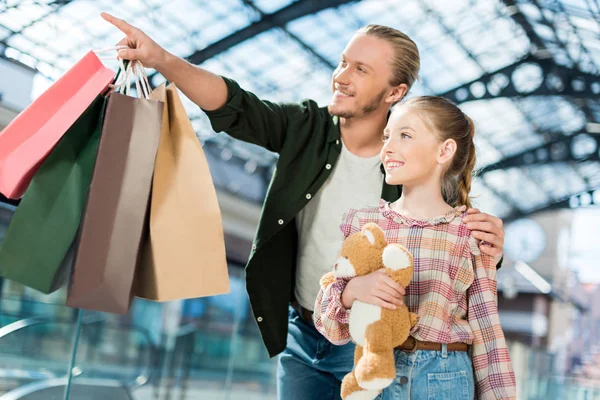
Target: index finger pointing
(119, 23)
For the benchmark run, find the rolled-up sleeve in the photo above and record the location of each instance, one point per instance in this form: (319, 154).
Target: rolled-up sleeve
(246, 117)
(330, 316)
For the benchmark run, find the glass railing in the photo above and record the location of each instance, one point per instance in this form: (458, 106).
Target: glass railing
(199, 348)
(208, 352)
(34, 349)
(561, 388)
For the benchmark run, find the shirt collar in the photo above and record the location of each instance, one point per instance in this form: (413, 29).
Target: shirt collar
(334, 129)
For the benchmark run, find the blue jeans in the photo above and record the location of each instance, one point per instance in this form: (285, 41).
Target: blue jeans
(311, 367)
(432, 375)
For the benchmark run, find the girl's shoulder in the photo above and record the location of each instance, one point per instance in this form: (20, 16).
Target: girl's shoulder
(355, 219)
(358, 217)
(465, 236)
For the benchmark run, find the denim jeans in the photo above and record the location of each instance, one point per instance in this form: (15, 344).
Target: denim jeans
(311, 368)
(432, 375)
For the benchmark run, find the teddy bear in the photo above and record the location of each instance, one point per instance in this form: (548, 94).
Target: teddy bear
(375, 330)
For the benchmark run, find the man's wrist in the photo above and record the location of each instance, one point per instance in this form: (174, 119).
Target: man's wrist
(164, 62)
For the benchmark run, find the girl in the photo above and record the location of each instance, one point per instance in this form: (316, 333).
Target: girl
(457, 349)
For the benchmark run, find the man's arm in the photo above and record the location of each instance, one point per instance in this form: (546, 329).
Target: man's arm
(204, 88)
(230, 108)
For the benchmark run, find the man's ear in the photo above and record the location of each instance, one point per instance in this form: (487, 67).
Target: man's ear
(446, 151)
(397, 93)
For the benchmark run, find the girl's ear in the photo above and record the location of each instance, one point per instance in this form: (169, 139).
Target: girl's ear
(446, 151)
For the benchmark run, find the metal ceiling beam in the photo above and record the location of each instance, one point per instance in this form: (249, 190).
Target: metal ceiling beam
(539, 47)
(589, 198)
(562, 150)
(58, 4)
(584, 55)
(279, 18)
(451, 33)
(538, 43)
(523, 22)
(550, 80)
(294, 37)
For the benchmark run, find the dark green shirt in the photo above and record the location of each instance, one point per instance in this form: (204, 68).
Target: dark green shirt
(308, 142)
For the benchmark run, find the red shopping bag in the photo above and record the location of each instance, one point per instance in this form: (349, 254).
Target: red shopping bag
(30, 137)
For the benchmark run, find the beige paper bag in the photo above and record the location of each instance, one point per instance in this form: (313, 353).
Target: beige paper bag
(184, 256)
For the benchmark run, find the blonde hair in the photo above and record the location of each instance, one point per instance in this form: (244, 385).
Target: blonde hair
(406, 62)
(450, 122)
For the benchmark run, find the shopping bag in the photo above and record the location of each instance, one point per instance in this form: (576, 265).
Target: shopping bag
(30, 137)
(35, 248)
(108, 247)
(184, 256)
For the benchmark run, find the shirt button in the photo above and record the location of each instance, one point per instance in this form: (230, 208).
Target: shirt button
(328, 166)
(280, 222)
(308, 196)
(259, 319)
(337, 142)
(404, 380)
(253, 247)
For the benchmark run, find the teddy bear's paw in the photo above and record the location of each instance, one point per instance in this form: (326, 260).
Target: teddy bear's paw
(344, 268)
(327, 280)
(363, 395)
(351, 390)
(396, 257)
(376, 371)
(376, 384)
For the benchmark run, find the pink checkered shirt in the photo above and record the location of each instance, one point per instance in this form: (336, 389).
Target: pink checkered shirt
(453, 291)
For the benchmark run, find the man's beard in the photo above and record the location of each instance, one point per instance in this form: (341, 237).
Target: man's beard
(369, 108)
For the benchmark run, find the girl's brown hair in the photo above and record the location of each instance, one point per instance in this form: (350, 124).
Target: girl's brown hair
(450, 122)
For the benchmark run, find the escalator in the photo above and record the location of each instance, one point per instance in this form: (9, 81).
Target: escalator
(84, 389)
(36, 379)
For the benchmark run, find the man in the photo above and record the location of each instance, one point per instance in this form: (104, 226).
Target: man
(328, 162)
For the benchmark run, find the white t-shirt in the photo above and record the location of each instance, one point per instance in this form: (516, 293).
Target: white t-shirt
(355, 182)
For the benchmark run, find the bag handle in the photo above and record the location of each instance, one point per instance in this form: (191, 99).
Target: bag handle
(128, 70)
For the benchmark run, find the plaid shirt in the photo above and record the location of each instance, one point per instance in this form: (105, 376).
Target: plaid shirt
(453, 291)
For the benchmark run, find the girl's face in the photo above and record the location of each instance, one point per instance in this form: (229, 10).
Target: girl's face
(412, 153)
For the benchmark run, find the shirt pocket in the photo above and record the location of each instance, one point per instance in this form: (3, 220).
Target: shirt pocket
(448, 386)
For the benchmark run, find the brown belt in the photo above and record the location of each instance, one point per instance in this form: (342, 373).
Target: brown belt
(411, 344)
(305, 313)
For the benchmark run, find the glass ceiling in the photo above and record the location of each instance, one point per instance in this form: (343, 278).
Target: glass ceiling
(290, 48)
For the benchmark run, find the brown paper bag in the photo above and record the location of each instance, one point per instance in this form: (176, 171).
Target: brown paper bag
(185, 254)
(115, 216)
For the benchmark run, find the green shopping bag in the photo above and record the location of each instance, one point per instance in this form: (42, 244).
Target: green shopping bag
(36, 250)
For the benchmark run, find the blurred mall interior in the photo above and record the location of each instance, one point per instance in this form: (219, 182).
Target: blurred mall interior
(527, 71)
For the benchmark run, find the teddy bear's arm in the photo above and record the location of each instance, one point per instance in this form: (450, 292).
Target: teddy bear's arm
(414, 319)
(327, 280)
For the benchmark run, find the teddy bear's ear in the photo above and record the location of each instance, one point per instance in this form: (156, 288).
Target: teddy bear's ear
(397, 257)
(375, 234)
